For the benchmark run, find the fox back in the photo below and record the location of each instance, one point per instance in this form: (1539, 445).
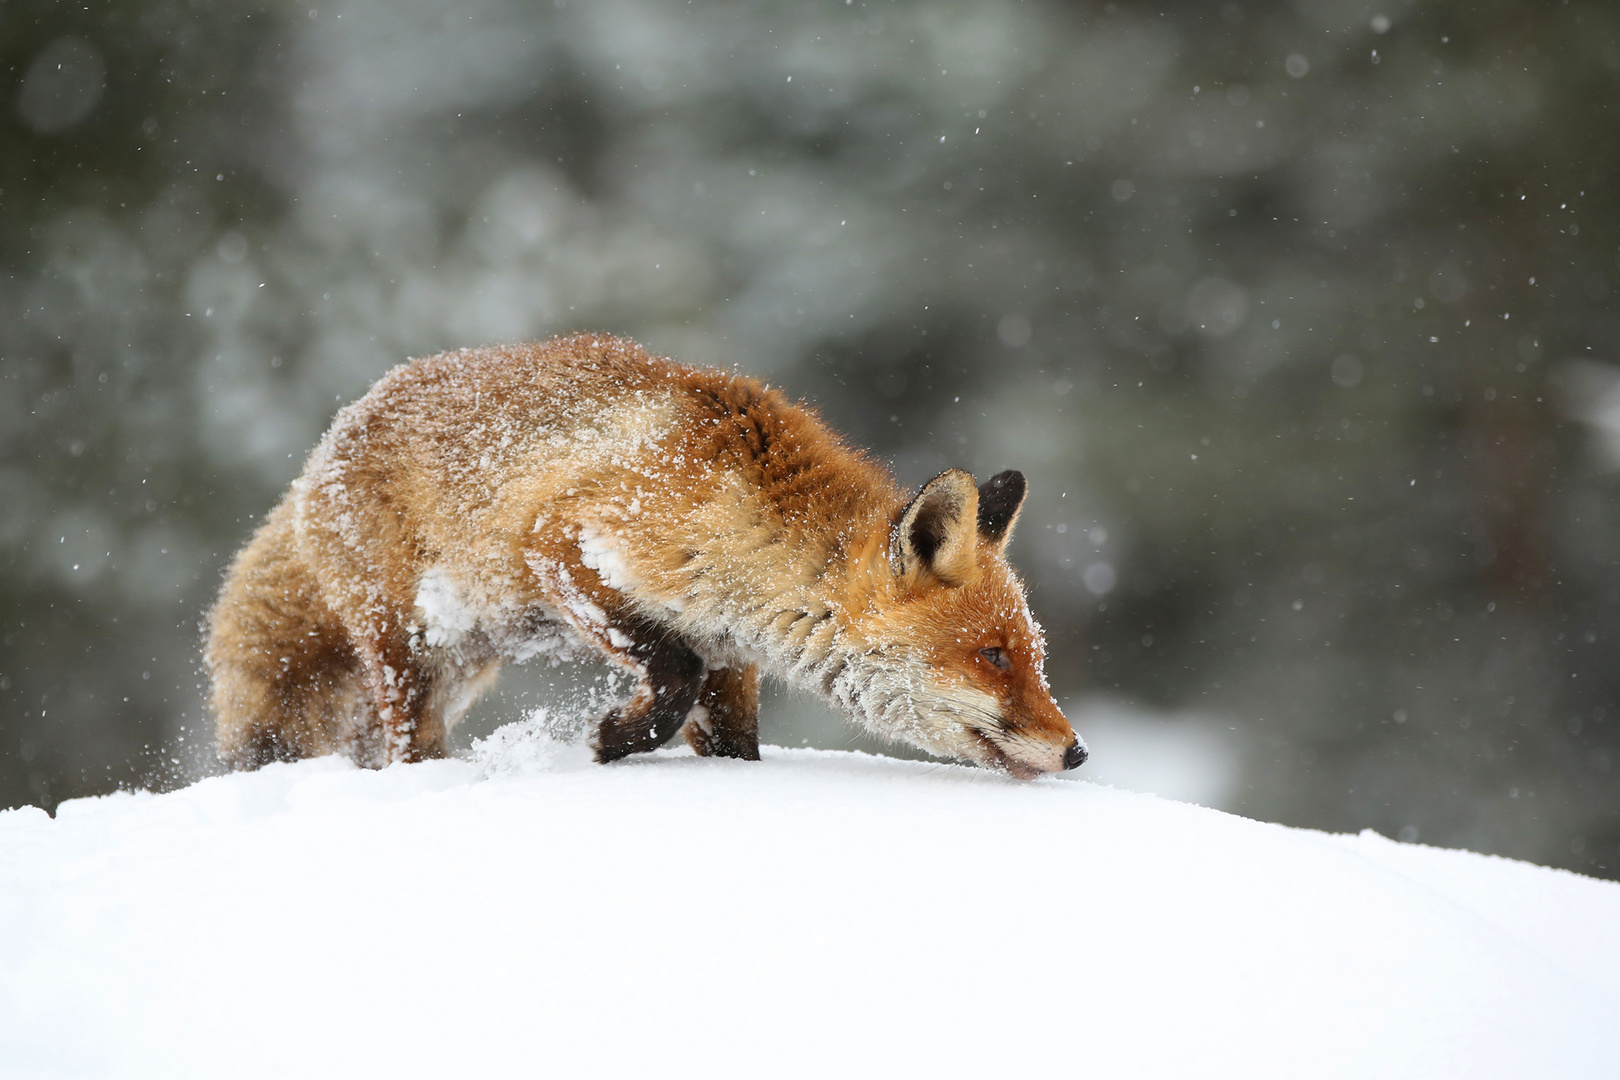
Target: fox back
(581, 497)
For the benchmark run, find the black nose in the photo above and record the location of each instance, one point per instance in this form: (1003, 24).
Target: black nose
(1075, 756)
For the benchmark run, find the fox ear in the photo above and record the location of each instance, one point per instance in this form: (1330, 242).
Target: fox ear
(937, 530)
(1000, 499)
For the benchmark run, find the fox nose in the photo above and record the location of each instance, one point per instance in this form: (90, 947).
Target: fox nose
(1075, 756)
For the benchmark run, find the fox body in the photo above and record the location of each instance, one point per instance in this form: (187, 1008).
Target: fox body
(582, 497)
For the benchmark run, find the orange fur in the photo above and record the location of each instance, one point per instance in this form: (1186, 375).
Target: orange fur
(579, 495)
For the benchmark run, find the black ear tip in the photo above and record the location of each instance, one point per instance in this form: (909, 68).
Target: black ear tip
(999, 500)
(1010, 482)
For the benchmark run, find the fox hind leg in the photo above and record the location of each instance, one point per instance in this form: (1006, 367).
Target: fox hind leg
(401, 691)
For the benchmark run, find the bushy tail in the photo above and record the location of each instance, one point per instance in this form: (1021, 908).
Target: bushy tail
(286, 681)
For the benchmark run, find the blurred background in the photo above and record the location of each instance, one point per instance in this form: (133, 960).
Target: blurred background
(1299, 316)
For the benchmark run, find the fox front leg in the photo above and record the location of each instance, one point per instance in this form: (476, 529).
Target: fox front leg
(725, 720)
(668, 673)
(669, 677)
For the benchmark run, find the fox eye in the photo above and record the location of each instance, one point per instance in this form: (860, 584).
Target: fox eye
(996, 657)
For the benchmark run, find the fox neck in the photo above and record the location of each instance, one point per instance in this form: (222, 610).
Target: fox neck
(816, 638)
(805, 629)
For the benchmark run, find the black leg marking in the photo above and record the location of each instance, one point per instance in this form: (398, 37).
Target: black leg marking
(727, 724)
(671, 676)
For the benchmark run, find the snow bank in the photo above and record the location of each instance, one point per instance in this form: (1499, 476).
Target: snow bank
(814, 914)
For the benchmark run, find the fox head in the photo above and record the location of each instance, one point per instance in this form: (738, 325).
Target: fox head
(952, 660)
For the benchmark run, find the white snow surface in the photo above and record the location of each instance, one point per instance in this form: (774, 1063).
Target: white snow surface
(816, 914)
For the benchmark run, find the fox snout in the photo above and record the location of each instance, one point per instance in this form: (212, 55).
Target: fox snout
(1043, 741)
(1075, 756)
(1026, 754)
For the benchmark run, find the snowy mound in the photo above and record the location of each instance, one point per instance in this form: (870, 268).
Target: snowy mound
(815, 914)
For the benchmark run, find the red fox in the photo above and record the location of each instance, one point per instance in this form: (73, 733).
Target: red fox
(584, 497)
